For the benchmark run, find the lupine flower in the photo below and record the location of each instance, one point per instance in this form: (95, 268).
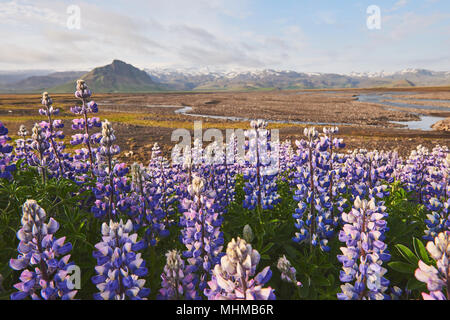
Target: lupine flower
(119, 269)
(42, 158)
(288, 272)
(234, 278)
(364, 235)
(436, 278)
(261, 169)
(51, 134)
(112, 186)
(422, 170)
(313, 177)
(438, 220)
(161, 195)
(146, 203)
(23, 144)
(48, 258)
(201, 232)
(6, 165)
(177, 280)
(85, 124)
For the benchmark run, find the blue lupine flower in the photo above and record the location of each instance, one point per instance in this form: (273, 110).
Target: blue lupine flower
(365, 252)
(201, 232)
(48, 257)
(85, 124)
(436, 278)
(53, 133)
(234, 278)
(6, 158)
(261, 169)
(119, 268)
(177, 281)
(112, 187)
(313, 177)
(438, 220)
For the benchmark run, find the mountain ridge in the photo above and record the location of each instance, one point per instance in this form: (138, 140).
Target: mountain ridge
(119, 76)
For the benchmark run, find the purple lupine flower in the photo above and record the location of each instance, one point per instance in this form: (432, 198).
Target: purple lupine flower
(112, 186)
(147, 200)
(421, 170)
(23, 145)
(365, 252)
(261, 170)
(219, 175)
(86, 124)
(234, 278)
(288, 272)
(42, 157)
(51, 126)
(47, 256)
(201, 232)
(436, 278)
(161, 195)
(6, 158)
(438, 220)
(313, 178)
(119, 268)
(177, 281)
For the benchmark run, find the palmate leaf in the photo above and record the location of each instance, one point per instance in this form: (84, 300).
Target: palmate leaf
(420, 250)
(402, 267)
(407, 254)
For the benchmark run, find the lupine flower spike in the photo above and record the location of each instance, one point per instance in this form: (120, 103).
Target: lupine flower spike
(47, 257)
(234, 278)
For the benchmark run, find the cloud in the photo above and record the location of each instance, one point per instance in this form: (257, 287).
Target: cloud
(326, 17)
(218, 34)
(398, 5)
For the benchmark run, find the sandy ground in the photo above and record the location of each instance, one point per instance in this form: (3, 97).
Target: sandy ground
(139, 123)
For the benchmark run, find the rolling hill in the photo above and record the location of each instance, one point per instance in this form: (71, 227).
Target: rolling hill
(115, 77)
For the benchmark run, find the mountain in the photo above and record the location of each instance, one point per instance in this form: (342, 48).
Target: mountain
(122, 77)
(279, 79)
(43, 82)
(115, 77)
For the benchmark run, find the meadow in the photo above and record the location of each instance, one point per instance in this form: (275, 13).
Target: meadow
(314, 218)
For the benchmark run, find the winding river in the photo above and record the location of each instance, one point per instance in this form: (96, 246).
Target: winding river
(424, 123)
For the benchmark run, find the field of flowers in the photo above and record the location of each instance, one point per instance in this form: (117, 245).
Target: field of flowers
(323, 223)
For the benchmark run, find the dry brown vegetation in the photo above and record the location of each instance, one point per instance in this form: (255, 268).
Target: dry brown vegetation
(139, 123)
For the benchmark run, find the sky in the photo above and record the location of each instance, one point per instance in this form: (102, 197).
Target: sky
(302, 35)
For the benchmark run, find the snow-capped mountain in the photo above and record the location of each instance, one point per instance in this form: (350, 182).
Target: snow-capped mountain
(190, 79)
(205, 79)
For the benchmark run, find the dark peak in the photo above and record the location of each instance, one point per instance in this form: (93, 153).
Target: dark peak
(118, 62)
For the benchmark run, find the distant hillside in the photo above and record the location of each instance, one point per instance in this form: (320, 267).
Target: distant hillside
(273, 79)
(122, 77)
(41, 83)
(115, 77)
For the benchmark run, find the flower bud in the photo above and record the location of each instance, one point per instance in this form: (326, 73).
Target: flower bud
(248, 234)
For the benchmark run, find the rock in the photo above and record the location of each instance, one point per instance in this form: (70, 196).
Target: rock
(443, 125)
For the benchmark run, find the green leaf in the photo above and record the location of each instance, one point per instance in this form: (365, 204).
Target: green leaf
(407, 254)
(414, 284)
(420, 250)
(402, 267)
(265, 257)
(267, 248)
